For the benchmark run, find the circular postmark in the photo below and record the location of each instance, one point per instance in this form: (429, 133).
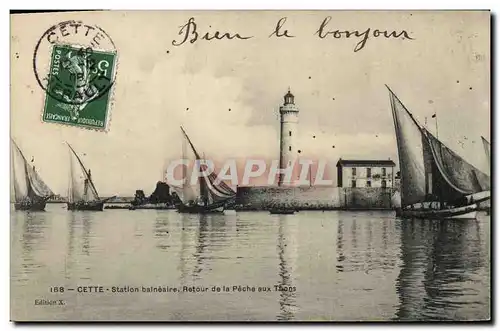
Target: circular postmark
(75, 64)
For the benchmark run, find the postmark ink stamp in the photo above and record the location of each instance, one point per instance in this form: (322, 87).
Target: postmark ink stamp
(78, 80)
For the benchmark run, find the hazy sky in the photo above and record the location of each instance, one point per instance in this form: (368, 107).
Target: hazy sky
(341, 94)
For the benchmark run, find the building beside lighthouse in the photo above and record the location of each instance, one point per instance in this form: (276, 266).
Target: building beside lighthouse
(289, 119)
(290, 195)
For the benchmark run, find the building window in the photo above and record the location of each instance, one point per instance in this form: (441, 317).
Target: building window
(290, 148)
(384, 172)
(368, 172)
(353, 183)
(384, 183)
(354, 171)
(290, 133)
(368, 183)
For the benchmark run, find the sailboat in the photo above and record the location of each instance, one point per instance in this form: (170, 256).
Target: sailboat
(30, 191)
(82, 194)
(209, 196)
(436, 183)
(487, 150)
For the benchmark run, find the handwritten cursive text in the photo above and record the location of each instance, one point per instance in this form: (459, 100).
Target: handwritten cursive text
(189, 31)
(278, 32)
(322, 32)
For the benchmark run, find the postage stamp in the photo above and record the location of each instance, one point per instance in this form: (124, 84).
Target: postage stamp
(75, 64)
(78, 86)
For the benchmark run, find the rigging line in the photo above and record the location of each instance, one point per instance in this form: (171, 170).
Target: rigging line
(84, 170)
(437, 131)
(404, 107)
(191, 144)
(397, 128)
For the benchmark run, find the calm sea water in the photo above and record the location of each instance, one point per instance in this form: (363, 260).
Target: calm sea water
(344, 266)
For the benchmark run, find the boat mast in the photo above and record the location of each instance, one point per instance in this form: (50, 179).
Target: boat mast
(437, 131)
(310, 175)
(87, 174)
(202, 184)
(71, 196)
(184, 152)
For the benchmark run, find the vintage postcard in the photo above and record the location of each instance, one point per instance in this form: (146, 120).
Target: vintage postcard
(320, 166)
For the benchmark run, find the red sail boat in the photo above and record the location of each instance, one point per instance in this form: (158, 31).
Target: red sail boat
(436, 183)
(30, 191)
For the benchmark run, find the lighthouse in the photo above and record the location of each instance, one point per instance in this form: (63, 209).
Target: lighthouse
(289, 117)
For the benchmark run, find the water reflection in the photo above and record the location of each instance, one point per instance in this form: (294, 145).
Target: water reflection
(78, 258)
(87, 224)
(340, 246)
(440, 261)
(286, 297)
(201, 244)
(202, 239)
(183, 250)
(69, 260)
(345, 266)
(365, 244)
(32, 236)
(162, 231)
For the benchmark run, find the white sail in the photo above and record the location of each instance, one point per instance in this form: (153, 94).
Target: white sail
(411, 153)
(37, 184)
(81, 187)
(27, 182)
(19, 178)
(431, 171)
(190, 190)
(487, 151)
(76, 180)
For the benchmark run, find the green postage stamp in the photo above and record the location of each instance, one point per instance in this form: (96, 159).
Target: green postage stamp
(79, 86)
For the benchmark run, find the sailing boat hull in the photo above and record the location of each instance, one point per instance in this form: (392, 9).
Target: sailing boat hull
(282, 211)
(36, 206)
(465, 212)
(199, 210)
(89, 206)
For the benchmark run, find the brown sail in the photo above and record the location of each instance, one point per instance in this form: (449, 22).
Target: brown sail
(213, 195)
(460, 175)
(430, 171)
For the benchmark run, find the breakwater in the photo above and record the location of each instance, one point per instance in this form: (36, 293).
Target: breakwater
(315, 197)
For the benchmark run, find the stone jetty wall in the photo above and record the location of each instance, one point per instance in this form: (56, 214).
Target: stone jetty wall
(319, 197)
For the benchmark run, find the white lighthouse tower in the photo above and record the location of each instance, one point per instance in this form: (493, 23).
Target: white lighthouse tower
(289, 114)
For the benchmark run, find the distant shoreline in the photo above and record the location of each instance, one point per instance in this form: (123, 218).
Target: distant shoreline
(123, 200)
